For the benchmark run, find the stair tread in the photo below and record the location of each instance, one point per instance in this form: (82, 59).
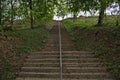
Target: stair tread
(96, 73)
(57, 79)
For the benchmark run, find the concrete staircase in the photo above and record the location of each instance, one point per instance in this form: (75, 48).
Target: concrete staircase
(77, 65)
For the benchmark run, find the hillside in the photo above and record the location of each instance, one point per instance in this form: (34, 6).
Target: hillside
(104, 41)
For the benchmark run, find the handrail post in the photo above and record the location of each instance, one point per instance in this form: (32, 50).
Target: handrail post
(60, 49)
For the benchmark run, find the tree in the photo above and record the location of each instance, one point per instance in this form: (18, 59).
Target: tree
(103, 5)
(12, 12)
(0, 12)
(31, 13)
(43, 10)
(118, 14)
(61, 10)
(74, 7)
(30, 10)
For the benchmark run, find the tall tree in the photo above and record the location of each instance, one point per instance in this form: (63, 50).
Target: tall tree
(118, 13)
(102, 10)
(0, 12)
(62, 9)
(74, 6)
(31, 13)
(12, 10)
(103, 5)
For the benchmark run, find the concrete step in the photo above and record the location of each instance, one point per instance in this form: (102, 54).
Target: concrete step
(47, 52)
(66, 75)
(59, 79)
(66, 41)
(39, 75)
(68, 48)
(43, 60)
(84, 69)
(81, 60)
(39, 55)
(63, 53)
(88, 64)
(83, 52)
(65, 69)
(41, 65)
(94, 64)
(87, 76)
(52, 45)
(63, 41)
(79, 52)
(57, 60)
(41, 69)
(57, 56)
(66, 59)
(50, 48)
(52, 56)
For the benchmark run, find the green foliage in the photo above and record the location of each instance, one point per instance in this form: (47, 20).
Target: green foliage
(105, 42)
(102, 45)
(81, 22)
(11, 10)
(31, 39)
(89, 22)
(44, 10)
(61, 9)
(16, 47)
(98, 52)
(1, 28)
(7, 70)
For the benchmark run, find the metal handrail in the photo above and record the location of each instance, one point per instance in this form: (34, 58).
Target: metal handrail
(60, 49)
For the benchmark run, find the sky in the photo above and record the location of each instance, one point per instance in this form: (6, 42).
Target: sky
(81, 13)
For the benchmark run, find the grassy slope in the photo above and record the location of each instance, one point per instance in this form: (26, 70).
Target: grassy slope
(15, 46)
(83, 22)
(104, 41)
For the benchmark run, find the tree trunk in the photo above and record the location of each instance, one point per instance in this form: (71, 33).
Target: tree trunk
(12, 12)
(74, 17)
(118, 16)
(101, 14)
(101, 17)
(31, 14)
(0, 13)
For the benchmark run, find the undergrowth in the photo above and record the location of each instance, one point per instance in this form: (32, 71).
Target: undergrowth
(104, 41)
(15, 46)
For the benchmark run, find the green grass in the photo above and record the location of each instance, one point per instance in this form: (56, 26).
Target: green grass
(16, 45)
(105, 45)
(88, 22)
(82, 22)
(32, 39)
(103, 40)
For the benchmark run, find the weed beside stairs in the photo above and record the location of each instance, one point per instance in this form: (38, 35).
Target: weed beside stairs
(15, 46)
(104, 41)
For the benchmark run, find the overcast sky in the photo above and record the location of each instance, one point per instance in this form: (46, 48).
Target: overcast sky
(108, 12)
